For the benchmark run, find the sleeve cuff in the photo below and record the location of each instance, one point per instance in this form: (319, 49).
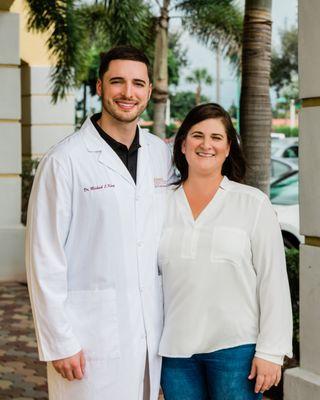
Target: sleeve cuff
(60, 350)
(270, 357)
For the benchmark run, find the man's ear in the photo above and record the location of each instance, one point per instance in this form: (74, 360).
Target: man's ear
(99, 87)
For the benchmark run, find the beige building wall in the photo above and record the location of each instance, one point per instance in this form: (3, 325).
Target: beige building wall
(11, 231)
(43, 123)
(304, 382)
(29, 123)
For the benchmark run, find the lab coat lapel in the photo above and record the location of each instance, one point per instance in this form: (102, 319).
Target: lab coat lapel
(107, 156)
(143, 159)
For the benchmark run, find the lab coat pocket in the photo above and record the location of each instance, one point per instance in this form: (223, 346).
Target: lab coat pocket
(98, 376)
(228, 244)
(93, 317)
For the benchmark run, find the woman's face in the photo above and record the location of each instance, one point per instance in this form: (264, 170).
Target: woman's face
(206, 147)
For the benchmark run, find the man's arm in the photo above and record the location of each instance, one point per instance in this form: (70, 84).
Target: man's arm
(49, 216)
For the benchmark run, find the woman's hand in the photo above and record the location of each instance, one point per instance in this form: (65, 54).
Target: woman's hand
(266, 372)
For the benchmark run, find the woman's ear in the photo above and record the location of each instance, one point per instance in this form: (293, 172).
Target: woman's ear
(183, 147)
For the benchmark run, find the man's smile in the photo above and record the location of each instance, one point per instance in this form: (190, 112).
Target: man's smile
(125, 104)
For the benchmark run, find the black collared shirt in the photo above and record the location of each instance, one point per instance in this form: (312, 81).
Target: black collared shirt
(129, 157)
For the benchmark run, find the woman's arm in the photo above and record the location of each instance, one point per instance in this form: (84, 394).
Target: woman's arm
(275, 324)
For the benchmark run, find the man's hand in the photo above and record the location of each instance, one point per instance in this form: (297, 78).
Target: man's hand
(267, 373)
(72, 367)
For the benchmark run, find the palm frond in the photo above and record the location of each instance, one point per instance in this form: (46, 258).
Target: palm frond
(57, 17)
(218, 22)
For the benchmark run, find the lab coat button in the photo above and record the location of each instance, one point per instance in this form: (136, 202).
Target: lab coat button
(140, 243)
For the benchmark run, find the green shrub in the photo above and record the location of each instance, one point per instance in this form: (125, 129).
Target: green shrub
(289, 132)
(171, 130)
(292, 258)
(28, 171)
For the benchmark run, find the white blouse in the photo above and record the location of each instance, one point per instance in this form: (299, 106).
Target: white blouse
(224, 276)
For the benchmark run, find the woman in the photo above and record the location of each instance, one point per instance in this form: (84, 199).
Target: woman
(227, 305)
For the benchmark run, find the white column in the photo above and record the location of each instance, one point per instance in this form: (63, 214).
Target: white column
(11, 231)
(43, 123)
(292, 114)
(304, 382)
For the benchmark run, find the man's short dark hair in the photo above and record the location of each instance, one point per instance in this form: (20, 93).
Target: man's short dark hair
(123, 53)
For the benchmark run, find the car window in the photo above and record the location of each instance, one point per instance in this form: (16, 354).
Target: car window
(278, 168)
(275, 148)
(291, 152)
(285, 192)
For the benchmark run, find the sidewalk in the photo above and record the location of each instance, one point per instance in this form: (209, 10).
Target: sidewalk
(22, 376)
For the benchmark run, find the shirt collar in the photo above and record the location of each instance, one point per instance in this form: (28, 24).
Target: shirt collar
(114, 144)
(225, 183)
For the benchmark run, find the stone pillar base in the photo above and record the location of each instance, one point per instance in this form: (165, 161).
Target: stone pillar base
(12, 266)
(300, 384)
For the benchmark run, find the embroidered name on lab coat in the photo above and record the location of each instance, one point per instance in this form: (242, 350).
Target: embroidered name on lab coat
(160, 182)
(98, 187)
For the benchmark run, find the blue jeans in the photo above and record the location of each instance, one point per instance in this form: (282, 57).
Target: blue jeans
(220, 375)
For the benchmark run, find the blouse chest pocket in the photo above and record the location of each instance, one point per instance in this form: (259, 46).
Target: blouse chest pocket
(228, 244)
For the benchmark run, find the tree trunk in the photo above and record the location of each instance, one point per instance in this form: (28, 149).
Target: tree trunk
(255, 107)
(84, 102)
(198, 95)
(218, 73)
(160, 72)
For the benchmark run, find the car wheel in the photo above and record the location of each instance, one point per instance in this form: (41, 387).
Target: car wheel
(290, 241)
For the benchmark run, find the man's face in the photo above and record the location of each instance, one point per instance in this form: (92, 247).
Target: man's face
(125, 90)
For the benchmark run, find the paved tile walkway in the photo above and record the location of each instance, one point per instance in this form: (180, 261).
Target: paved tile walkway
(22, 375)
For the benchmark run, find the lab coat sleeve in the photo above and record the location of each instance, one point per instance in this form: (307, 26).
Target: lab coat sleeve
(49, 216)
(275, 325)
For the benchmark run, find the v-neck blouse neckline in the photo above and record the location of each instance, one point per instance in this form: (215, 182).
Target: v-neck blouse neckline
(213, 203)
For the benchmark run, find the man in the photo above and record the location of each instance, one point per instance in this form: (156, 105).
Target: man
(94, 222)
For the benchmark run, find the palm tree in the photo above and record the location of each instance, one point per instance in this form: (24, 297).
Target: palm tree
(73, 30)
(199, 76)
(78, 30)
(160, 71)
(255, 108)
(213, 22)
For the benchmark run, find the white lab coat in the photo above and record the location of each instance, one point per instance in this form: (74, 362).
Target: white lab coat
(91, 247)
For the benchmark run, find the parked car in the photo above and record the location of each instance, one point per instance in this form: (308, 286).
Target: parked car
(281, 167)
(286, 149)
(284, 195)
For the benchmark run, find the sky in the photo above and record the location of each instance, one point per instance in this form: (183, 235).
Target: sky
(284, 15)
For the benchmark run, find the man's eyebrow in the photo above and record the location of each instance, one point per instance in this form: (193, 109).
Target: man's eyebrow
(139, 80)
(116, 78)
(120, 78)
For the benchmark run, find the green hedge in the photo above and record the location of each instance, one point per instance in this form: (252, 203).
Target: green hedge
(28, 171)
(292, 258)
(286, 130)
